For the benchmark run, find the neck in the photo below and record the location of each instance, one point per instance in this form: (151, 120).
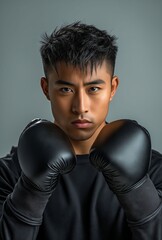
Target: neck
(82, 147)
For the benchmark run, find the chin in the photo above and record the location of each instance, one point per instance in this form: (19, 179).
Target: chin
(84, 136)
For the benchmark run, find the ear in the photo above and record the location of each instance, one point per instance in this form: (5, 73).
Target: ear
(44, 86)
(114, 86)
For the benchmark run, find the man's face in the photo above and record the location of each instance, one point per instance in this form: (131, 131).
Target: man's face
(80, 100)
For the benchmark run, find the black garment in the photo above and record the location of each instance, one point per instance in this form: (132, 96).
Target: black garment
(82, 207)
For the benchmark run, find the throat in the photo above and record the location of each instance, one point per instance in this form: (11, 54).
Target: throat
(81, 147)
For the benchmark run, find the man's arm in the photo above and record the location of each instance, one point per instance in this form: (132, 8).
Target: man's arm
(152, 227)
(44, 152)
(122, 152)
(10, 226)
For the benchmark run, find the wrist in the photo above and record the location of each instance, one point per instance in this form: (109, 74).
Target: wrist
(27, 202)
(141, 201)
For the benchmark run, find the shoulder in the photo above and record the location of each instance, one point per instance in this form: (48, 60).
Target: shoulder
(156, 159)
(155, 171)
(9, 165)
(156, 154)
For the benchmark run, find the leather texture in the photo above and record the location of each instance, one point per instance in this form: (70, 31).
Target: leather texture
(122, 151)
(45, 152)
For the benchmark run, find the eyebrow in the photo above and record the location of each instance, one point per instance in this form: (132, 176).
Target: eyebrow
(97, 81)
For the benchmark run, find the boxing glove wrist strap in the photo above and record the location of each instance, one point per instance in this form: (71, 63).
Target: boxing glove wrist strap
(140, 202)
(27, 202)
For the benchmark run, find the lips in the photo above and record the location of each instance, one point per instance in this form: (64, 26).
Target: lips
(82, 123)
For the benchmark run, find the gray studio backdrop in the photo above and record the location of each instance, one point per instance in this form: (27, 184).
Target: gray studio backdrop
(136, 23)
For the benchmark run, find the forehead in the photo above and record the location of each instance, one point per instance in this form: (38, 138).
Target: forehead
(68, 71)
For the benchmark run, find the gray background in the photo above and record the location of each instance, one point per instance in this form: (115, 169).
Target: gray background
(138, 26)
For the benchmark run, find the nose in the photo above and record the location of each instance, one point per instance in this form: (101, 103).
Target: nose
(80, 103)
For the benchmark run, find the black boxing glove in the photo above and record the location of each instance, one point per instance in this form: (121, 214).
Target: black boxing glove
(122, 151)
(44, 152)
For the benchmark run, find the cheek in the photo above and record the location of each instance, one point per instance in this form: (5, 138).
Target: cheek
(101, 105)
(59, 107)
(102, 101)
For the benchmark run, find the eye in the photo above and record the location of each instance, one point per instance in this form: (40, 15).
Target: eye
(94, 89)
(66, 90)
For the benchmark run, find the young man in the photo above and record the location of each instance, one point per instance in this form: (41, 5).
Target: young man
(79, 177)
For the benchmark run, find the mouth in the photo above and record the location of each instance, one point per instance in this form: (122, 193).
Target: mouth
(82, 123)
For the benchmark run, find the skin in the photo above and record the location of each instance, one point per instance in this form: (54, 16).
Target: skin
(80, 101)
